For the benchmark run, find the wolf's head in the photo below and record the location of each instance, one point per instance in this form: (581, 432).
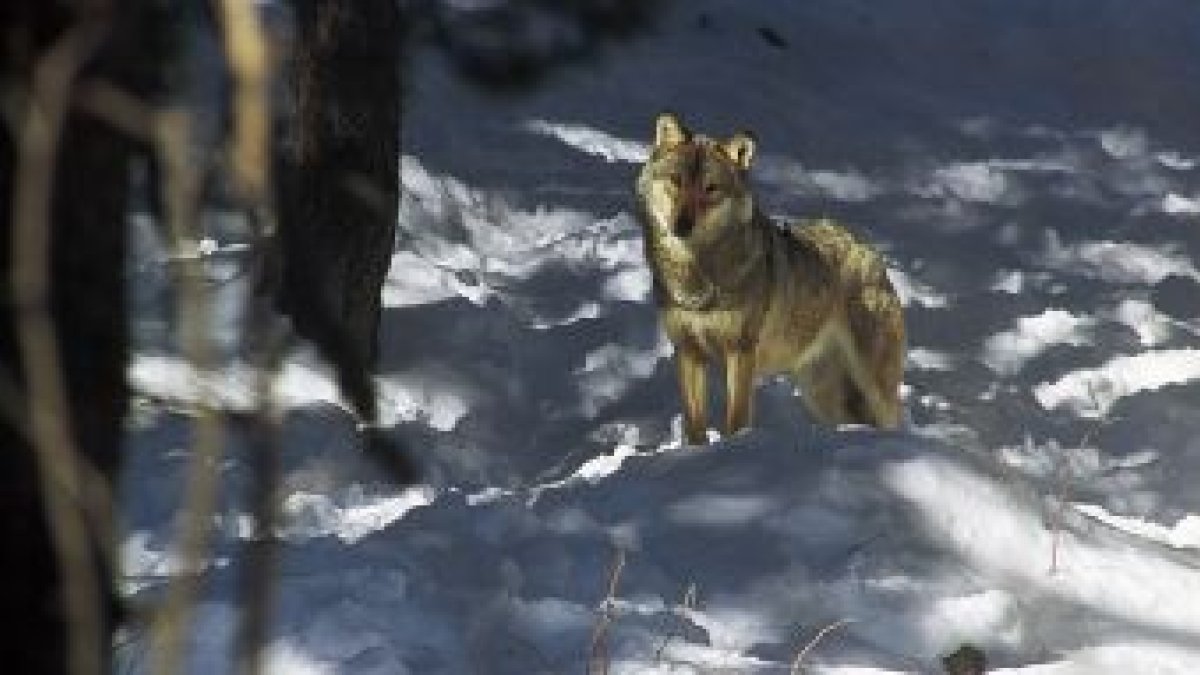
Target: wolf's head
(694, 187)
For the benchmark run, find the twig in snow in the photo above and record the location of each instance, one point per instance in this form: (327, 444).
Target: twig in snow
(688, 604)
(598, 657)
(1056, 516)
(1062, 487)
(795, 669)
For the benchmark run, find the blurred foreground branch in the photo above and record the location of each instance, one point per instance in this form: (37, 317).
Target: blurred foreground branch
(181, 195)
(63, 334)
(63, 494)
(246, 52)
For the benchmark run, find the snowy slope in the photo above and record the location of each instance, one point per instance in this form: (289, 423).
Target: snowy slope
(1029, 168)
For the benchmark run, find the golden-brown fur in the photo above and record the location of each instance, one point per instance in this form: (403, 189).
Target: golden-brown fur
(811, 300)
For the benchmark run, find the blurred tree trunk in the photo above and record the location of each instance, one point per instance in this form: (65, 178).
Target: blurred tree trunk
(338, 180)
(88, 197)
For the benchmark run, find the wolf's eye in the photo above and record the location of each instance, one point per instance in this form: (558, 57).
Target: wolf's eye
(712, 189)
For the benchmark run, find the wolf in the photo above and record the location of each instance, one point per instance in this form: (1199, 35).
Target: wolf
(810, 299)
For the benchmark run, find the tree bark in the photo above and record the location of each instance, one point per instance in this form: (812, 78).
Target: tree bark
(338, 181)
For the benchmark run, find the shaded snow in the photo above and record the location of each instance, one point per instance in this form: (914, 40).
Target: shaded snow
(1124, 142)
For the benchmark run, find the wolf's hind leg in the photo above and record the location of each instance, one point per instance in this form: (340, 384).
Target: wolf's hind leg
(825, 389)
(871, 389)
(889, 374)
(875, 354)
(857, 405)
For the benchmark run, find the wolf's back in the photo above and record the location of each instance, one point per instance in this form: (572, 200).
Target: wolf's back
(854, 263)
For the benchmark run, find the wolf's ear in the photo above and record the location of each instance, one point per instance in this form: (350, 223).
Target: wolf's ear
(740, 149)
(668, 130)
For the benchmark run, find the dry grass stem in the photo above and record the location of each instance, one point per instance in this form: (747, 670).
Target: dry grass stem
(1062, 484)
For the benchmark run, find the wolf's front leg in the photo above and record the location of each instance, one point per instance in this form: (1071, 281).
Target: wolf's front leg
(693, 386)
(739, 389)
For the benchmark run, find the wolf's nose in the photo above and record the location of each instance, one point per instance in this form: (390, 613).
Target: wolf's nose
(684, 224)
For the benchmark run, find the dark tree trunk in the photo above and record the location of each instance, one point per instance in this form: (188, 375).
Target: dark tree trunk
(87, 304)
(338, 181)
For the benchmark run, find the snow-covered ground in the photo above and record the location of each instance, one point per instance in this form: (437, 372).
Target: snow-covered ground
(1029, 168)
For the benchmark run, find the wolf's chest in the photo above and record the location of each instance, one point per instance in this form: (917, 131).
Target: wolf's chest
(711, 330)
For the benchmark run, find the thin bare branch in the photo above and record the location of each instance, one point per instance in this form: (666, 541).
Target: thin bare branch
(117, 107)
